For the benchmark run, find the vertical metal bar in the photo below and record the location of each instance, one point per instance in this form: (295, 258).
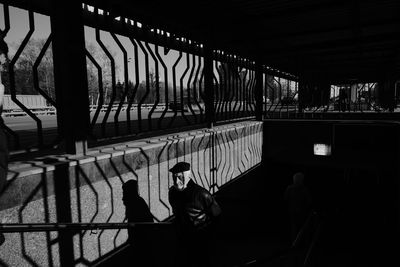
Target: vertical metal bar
(280, 97)
(242, 76)
(224, 86)
(174, 87)
(233, 99)
(287, 96)
(132, 97)
(265, 94)
(70, 75)
(234, 87)
(165, 86)
(6, 19)
(246, 89)
(231, 84)
(157, 85)
(209, 86)
(243, 90)
(113, 86)
(296, 89)
(5, 31)
(201, 89)
(369, 95)
(252, 91)
(126, 77)
(100, 89)
(196, 89)
(139, 107)
(218, 82)
(73, 101)
(182, 99)
(259, 91)
(189, 85)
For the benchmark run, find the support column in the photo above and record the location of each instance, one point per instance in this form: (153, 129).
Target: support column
(386, 94)
(209, 86)
(259, 91)
(304, 97)
(71, 84)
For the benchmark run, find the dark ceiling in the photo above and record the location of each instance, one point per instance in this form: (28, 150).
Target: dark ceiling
(333, 40)
(338, 40)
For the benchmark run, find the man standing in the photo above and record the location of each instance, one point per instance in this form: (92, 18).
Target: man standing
(195, 211)
(298, 200)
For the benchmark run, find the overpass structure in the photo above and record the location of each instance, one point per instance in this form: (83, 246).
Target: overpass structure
(258, 84)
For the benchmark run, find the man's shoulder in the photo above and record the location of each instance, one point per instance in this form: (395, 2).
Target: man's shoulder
(202, 192)
(198, 187)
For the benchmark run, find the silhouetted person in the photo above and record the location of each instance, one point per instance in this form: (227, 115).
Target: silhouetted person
(137, 211)
(195, 211)
(342, 100)
(3, 140)
(298, 200)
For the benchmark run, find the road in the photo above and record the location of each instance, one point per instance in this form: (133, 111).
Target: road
(26, 133)
(25, 129)
(26, 123)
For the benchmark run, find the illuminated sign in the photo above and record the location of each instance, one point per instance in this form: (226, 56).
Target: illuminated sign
(322, 150)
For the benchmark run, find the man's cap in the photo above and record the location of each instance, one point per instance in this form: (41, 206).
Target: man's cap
(180, 167)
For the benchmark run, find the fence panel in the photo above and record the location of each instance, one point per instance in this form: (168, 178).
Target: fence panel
(29, 109)
(234, 87)
(139, 84)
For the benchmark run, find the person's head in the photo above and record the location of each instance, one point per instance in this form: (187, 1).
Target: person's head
(298, 178)
(3, 52)
(129, 191)
(181, 175)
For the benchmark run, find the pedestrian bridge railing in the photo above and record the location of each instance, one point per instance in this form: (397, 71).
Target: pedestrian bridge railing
(52, 227)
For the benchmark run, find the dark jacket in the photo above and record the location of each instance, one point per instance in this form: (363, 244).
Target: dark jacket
(298, 199)
(194, 207)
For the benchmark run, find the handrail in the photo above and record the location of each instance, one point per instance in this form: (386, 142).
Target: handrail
(50, 227)
(310, 249)
(300, 234)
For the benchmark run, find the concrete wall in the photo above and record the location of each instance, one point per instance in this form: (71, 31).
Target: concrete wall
(89, 189)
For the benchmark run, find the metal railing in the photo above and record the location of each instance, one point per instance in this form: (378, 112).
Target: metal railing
(234, 85)
(51, 227)
(282, 99)
(29, 72)
(141, 80)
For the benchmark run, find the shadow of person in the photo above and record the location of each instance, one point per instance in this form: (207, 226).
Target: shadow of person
(137, 211)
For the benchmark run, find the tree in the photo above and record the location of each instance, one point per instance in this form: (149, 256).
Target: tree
(23, 69)
(106, 71)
